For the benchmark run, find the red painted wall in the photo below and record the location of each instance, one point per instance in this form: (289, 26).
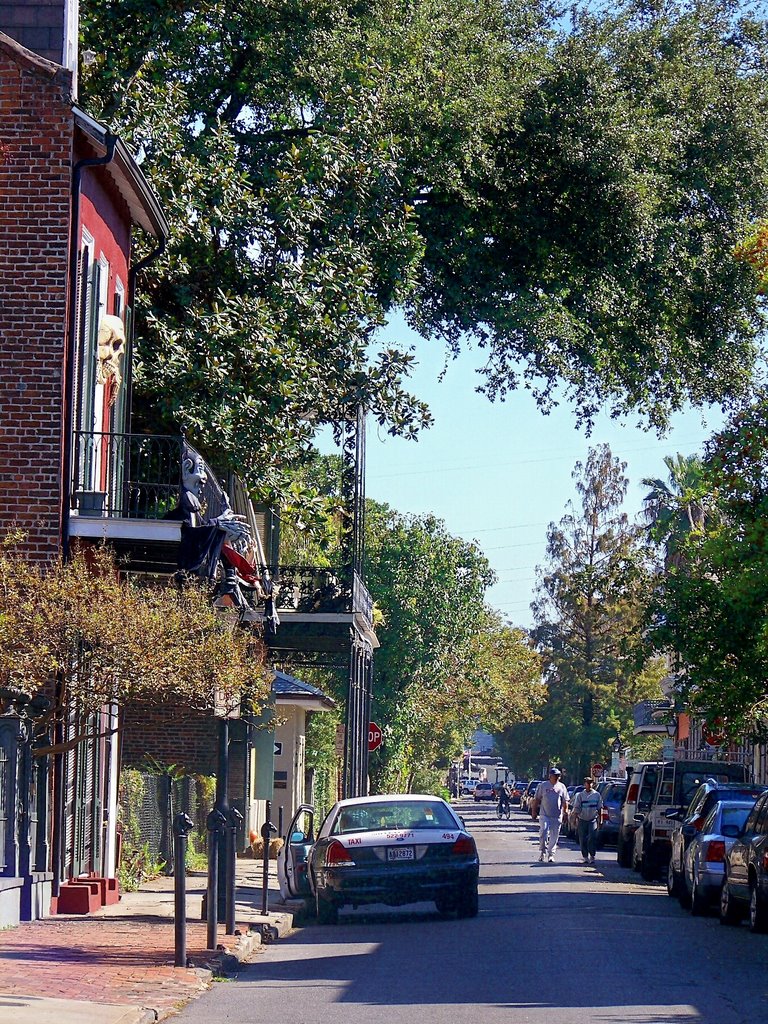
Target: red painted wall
(104, 213)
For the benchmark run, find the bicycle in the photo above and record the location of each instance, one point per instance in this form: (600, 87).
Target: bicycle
(504, 810)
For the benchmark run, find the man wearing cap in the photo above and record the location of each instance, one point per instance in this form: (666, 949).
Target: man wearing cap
(550, 805)
(586, 808)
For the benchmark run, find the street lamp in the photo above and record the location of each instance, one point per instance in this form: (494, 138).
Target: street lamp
(617, 744)
(671, 728)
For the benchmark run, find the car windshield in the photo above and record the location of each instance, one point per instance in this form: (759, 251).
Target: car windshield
(614, 793)
(382, 816)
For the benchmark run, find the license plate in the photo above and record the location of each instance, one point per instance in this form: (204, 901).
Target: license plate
(401, 853)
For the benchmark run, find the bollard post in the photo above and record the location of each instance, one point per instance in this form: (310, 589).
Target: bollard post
(182, 823)
(280, 820)
(235, 818)
(214, 823)
(267, 829)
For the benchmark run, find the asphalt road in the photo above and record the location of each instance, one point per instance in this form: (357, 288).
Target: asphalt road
(553, 944)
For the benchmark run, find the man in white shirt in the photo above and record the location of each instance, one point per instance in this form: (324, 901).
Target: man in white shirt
(586, 808)
(550, 805)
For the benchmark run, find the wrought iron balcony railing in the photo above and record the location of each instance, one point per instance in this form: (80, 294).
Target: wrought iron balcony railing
(652, 715)
(132, 476)
(307, 588)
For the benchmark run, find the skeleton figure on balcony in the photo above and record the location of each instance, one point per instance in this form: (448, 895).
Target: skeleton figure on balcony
(220, 548)
(203, 535)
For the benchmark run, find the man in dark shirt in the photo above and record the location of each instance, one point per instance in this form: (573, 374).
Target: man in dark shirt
(586, 809)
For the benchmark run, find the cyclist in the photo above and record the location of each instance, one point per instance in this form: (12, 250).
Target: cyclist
(505, 799)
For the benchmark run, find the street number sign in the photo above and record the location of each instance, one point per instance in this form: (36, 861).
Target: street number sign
(374, 737)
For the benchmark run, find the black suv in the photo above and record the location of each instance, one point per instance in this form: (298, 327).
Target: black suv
(688, 822)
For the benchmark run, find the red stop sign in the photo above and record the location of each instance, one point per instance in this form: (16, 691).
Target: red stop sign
(374, 736)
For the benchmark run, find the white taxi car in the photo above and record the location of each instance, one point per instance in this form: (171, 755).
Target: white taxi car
(392, 849)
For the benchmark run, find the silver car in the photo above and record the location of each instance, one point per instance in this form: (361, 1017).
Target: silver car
(704, 858)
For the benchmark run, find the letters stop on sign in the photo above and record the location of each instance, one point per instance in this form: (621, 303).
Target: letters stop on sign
(374, 736)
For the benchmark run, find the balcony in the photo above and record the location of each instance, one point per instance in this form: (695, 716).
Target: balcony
(122, 487)
(318, 607)
(651, 716)
(125, 484)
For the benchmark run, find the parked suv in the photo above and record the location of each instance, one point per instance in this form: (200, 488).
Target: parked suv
(676, 784)
(640, 789)
(746, 872)
(686, 823)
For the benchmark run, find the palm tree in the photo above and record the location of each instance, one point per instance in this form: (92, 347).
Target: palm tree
(676, 508)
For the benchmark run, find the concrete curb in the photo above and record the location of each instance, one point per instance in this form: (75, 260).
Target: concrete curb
(262, 930)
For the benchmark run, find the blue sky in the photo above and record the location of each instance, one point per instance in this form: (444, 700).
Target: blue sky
(500, 473)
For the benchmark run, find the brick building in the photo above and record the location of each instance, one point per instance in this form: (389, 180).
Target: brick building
(71, 199)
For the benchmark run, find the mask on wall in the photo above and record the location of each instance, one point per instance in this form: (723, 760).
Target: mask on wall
(111, 348)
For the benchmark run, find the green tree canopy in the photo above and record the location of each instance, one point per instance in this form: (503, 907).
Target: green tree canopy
(711, 609)
(446, 664)
(570, 195)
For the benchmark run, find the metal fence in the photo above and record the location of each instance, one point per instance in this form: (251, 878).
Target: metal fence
(150, 810)
(5, 804)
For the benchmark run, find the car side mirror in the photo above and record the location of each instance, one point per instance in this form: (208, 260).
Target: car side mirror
(639, 818)
(688, 831)
(673, 813)
(298, 837)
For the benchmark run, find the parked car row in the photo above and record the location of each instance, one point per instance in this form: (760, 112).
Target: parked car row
(664, 792)
(745, 871)
(707, 827)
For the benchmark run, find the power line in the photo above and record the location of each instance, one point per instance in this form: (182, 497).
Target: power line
(516, 462)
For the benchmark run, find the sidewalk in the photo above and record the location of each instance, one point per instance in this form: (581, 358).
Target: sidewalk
(116, 966)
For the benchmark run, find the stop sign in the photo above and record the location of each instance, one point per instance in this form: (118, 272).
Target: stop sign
(374, 736)
(597, 768)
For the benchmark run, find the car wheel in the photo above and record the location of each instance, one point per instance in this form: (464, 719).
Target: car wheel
(647, 868)
(729, 911)
(327, 911)
(673, 881)
(468, 904)
(758, 913)
(698, 904)
(623, 853)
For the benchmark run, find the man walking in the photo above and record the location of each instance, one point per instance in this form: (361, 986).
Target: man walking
(550, 805)
(586, 808)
